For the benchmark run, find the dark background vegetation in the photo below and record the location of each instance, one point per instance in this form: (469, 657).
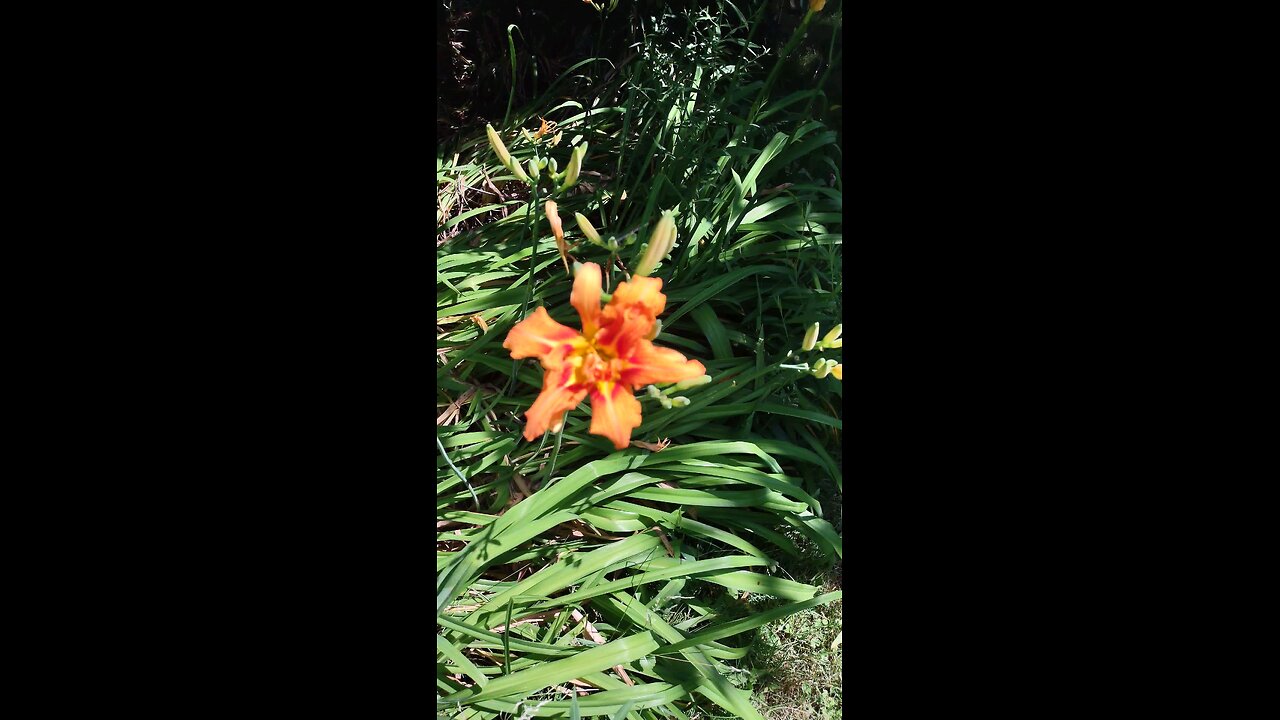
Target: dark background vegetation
(473, 67)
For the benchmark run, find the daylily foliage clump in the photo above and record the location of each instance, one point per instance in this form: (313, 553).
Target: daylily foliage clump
(609, 360)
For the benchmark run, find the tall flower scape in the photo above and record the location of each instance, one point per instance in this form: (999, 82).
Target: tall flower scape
(609, 360)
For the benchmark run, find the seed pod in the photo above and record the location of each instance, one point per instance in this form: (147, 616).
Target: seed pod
(810, 338)
(588, 229)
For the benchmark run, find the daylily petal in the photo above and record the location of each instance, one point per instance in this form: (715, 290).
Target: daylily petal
(622, 327)
(643, 292)
(558, 395)
(650, 364)
(585, 297)
(615, 412)
(541, 337)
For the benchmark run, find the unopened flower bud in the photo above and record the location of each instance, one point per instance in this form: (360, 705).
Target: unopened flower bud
(588, 229)
(666, 404)
(660, 243)
(838, 372)
(504, 157)
(694, 382)
(554, 167)
(680, 401)
(810, 338)
(838, 342)
(533, 168)
(831, 336)
(653, 391)
(653, 333)
(558, 229)
(821, 368)
(817, 5)
(575, 166)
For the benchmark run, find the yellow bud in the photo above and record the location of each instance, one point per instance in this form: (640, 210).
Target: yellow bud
(505, 157)
(838, 372)
(810, 338)
(660, 243)
(587, 228)
(838, 342)
(831, 336)
(817, 5)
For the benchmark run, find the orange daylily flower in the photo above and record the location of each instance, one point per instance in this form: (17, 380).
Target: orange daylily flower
(609, 360)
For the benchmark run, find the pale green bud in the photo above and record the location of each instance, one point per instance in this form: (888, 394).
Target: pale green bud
(680, 401)
(838, 342)
(810, 338)
(653, 333)
(660, 243)
(533, 168)
(575, 166)
(653, 391)
(554, 168)
(504, 157)
(588, 229)
(831, 336)
(666, 404)
(694, 382)
(821, 368)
